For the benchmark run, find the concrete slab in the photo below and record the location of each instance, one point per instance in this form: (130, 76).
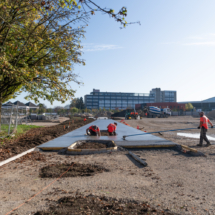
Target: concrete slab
(140, 141)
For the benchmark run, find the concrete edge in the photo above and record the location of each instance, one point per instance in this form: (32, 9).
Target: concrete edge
(15, 157)
(51, 148)
(91, 150)
(148, 146)
(71, 150)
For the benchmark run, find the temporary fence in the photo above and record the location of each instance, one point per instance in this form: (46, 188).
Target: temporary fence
(187, 113)
(11, 117)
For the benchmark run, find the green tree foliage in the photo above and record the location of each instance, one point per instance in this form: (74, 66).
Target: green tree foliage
(74, 110)
(38, 49)
(42, 108)
(78, 103)
(188, 106)
(40, 43)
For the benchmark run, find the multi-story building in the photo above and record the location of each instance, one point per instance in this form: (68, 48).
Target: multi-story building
(113, 100)
(164, 96)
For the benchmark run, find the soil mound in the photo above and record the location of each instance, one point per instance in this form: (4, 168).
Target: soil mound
(37, 136)
(103, 113)
(122, 113)
(100, 205)
(55, 170)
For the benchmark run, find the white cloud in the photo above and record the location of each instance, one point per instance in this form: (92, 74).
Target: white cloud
(210, 43)
(197, 40)
(90, 47)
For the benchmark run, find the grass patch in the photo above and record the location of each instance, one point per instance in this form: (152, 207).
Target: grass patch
(21, 129)
(77, 118)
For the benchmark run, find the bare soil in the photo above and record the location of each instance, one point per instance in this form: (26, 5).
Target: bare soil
(37, 136)
(74, 170)
(173, 181)
(93, 145)
(105, 133)
(99, 205)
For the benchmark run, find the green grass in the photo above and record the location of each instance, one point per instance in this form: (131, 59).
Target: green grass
(77, 118)
(21, 129)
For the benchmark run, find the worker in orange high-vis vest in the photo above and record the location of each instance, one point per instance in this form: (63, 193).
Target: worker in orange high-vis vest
(112, 128)
(204, 127)
(85, 119)
(93, 130)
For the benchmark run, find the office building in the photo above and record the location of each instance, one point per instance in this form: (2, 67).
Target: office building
(113, 100)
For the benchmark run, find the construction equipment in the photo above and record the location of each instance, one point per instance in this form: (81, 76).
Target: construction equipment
(152, 112)
(132, 115)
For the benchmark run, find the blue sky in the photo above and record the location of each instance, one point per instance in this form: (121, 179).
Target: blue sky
(173, 48)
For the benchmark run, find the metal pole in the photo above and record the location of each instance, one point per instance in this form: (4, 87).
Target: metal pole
(10, 119)
(157, 132)
(16, 116)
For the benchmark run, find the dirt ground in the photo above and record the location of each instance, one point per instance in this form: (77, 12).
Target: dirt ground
(126, 180)
(74, 170)
(95, 145)
(99, 205)
(37, 136)
(173, 182)
(49, 124)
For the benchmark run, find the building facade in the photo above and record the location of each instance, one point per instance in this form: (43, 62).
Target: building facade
(113, 100)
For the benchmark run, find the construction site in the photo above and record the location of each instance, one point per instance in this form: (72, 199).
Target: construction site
(58, 169)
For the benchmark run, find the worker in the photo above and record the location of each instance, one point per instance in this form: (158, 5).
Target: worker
(85, 119)
(146, 114)
(204, 127)
(112, 128)
(93, 130)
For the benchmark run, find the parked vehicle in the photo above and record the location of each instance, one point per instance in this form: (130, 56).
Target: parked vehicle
(132, 115)
(152, 112)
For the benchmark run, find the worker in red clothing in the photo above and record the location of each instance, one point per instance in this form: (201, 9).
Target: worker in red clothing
(93, 130)
(112, 128)
(204, 127)
(85, 119)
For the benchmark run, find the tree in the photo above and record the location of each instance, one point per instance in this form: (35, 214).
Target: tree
(74, 110)
(73, 102)
(188, 106)
(80, 104)
(58, 109)
(40, 43)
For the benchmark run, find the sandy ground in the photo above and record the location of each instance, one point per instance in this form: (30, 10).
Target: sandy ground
(48, 124)
(172, 180)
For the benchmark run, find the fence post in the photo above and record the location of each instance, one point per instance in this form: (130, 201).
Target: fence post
(10, 119)
(16, 116)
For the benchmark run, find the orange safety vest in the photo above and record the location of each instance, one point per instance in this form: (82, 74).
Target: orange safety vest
(111, 127)
(91, 128)
(205, 121)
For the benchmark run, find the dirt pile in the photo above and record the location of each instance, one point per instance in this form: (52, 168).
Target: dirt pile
(37, 136)
(103, 113)
(75, 169)
(100, 205)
